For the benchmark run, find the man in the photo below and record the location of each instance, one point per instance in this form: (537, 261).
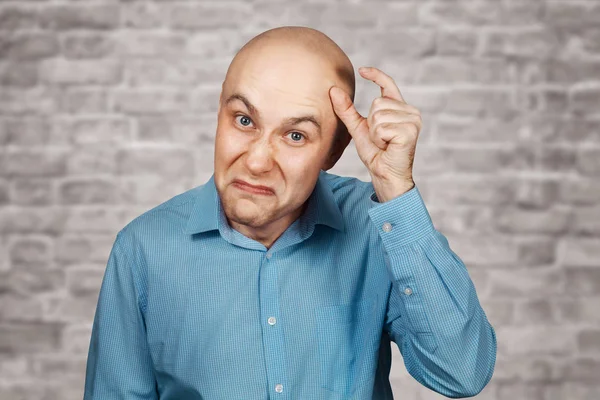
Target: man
(278, 280)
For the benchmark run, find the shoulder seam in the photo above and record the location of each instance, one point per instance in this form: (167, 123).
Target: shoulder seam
(157, 209)
(132, 267)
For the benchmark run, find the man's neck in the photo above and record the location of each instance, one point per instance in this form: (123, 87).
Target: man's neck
(267, 236)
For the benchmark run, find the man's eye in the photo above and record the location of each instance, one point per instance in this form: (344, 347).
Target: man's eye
(244, 120)
(297, 135)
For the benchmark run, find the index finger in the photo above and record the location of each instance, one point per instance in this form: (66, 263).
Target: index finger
(386, 82)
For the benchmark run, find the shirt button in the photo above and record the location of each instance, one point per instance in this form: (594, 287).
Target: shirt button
(408, 291)
(268, 255)
(279, 388)
(272, 320)
(387, 227)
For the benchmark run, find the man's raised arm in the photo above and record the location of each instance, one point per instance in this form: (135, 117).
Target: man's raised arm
(433, 315)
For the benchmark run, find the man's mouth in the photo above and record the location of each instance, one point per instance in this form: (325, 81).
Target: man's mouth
(255, 189)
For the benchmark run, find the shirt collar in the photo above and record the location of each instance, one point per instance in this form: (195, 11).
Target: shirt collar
(207, 211)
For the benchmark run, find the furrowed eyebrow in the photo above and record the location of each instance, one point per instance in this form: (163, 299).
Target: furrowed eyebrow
(243, 99)
(304, 118)
(289, 121)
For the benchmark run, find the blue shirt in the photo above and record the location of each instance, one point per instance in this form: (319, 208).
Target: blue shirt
(190, 308)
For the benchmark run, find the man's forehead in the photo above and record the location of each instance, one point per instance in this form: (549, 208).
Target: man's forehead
(259, 98)
(310, 93)
(293, 77)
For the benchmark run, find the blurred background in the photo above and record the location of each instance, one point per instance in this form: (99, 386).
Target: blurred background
(108, 108)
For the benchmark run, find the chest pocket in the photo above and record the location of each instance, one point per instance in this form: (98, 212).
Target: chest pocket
(347, 336)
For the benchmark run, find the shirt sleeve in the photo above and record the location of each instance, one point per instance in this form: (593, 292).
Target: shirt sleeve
(434, 314)
(119, 364)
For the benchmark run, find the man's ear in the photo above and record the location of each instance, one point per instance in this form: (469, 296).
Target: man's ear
(340, 143)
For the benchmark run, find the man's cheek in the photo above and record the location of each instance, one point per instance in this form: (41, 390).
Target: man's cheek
(230, 145)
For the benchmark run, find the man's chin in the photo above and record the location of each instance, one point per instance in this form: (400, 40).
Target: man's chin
(249, 216)
(249, 221)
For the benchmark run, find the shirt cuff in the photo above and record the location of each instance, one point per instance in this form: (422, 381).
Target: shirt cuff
(402, 220)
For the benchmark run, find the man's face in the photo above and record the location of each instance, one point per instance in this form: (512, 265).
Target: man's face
(261, 144)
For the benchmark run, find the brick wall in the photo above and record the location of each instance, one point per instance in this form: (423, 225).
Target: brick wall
(109, 108)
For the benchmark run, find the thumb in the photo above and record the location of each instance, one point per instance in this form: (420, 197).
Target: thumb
(345, 110)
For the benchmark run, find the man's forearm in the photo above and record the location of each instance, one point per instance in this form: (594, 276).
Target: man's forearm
(446, 340)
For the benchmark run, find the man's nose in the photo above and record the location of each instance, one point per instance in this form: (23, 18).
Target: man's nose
(260, 157)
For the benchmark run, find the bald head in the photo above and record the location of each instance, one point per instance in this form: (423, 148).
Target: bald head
(276, 127)
(300, 57)
(300, 39)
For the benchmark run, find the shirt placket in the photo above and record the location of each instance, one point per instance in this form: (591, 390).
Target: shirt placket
(271, 323)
